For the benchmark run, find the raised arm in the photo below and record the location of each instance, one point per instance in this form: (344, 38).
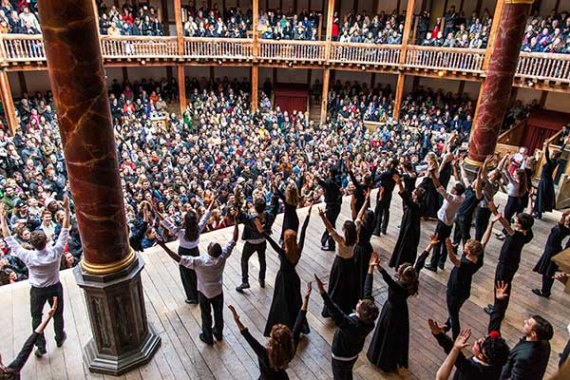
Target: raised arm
(451, 253)
(499, 217)
(444, 371)
(67, 217)
(304, 229)
(170, 252)
(4, 221)
(435, 179)
(299, 322)
(366, 204)
(327, 223)
(419, 265)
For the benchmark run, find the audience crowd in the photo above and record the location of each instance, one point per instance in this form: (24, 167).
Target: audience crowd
(172, 164)
(139, 19)
(19, 17)
(548, 34)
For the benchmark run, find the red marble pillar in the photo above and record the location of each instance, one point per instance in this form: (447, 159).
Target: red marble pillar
(496, 87)
(75, 66)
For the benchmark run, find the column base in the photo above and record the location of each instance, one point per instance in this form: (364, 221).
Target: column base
(122, 337)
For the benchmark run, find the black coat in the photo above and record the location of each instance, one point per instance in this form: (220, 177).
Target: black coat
(406, 248)
(545, 265)
(545, 197)
(527, 361)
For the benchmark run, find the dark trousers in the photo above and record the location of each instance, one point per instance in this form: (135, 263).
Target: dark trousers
(332, 211)
(462, 231)
(440, 251)
(38, 298)
(188, 276)
(547, 283)
(342, 370)
(248, 250)
(505, 274)
(206, 306)
(454, 304)
(382, 214)
(482, 218)
(513, 206)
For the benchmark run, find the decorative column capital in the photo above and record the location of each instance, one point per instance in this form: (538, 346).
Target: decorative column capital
(519, 1)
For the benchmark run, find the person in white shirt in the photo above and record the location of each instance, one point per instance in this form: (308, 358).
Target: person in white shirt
(43, 263)
(209, 271)
(445, 219)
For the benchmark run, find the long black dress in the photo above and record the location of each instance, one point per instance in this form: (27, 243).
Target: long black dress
(545, 266)
(342, 280)
(287, 298)
(389, 346)
(545, 197)
(406, 248)
(430, 203)
(290, 218)
(362, 253)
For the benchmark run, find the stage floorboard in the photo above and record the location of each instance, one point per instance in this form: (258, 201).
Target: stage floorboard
(183, 356)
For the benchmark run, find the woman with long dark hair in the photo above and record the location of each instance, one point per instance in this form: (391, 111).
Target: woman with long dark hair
(391, 340)
(291, 200)
(275, 356)
(363, 250)
(287, 290)
(545, 196)
(342, 286)
(189, 239)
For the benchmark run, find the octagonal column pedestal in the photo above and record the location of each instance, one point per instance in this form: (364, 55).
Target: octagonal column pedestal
(122, 337)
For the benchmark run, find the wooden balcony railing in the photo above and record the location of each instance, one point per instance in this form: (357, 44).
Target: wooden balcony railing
(311, 51)
(125, 47)
(218, 48)
(19, 48)
(450, 59)
(543, 66)
(365, 54)
(23, 48)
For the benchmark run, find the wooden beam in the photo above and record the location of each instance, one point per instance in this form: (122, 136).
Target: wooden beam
(125, 74)
(494, 30)
(328, 33)
(255, 24)
(8, 102)
(399, 96)
(325, 95)
(461, 88)
(22, 80)
(179, 26)
(254, 88)
(542, 101)
(181, 88)
(407, 30)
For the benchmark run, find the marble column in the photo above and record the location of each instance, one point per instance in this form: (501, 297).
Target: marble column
(496, 87)
(109, 271)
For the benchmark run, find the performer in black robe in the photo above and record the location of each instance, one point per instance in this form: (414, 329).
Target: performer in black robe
(384, 197)
(342, 280)
(363, 248)
(360, 189)
(287, 290)
(333, 200)
(290, 201)
(406, 248)
(545, 196)
(282, 343)
(545, 266)
(390, 343)
(446, 169)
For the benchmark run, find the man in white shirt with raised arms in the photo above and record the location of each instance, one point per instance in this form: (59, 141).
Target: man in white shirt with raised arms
(43, 263)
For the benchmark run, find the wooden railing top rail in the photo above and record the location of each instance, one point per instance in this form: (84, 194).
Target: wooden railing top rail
(446, 49)
(292, 42)
(366, 46)
(138, 38)
(210, 39)
(556, 56)
(21, 37)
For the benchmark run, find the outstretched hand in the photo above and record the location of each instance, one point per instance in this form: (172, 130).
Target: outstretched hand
(501, 290)
(374, 260)
(562, 277)
(321, 212)
(53, 308)
(66, 203)
(434, 327)
(309, 290)
(320, 284)
(462, 340)
(234, 313)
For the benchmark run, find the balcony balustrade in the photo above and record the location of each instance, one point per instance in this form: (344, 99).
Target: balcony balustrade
(18, 49)
(365, 54)
(292, 51)
(543, 66)
(218, 48)
(445, 59)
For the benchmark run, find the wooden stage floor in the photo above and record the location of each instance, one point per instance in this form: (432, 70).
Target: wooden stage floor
(183, 356)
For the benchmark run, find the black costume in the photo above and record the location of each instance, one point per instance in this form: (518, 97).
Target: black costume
(527, 360)
(13, 369)
(430, 202)
(287, 299)
(389, 347)
(406, 248)
(545, 266)
(290, 217)
(464, 216)
(459, 290)
(342, 290)
(507, 267)
(360, 190)
(333, 201)
(267, 373)
(362, 253)
(468, 369)
(349, 336)
(382, 210)
(545, 196)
